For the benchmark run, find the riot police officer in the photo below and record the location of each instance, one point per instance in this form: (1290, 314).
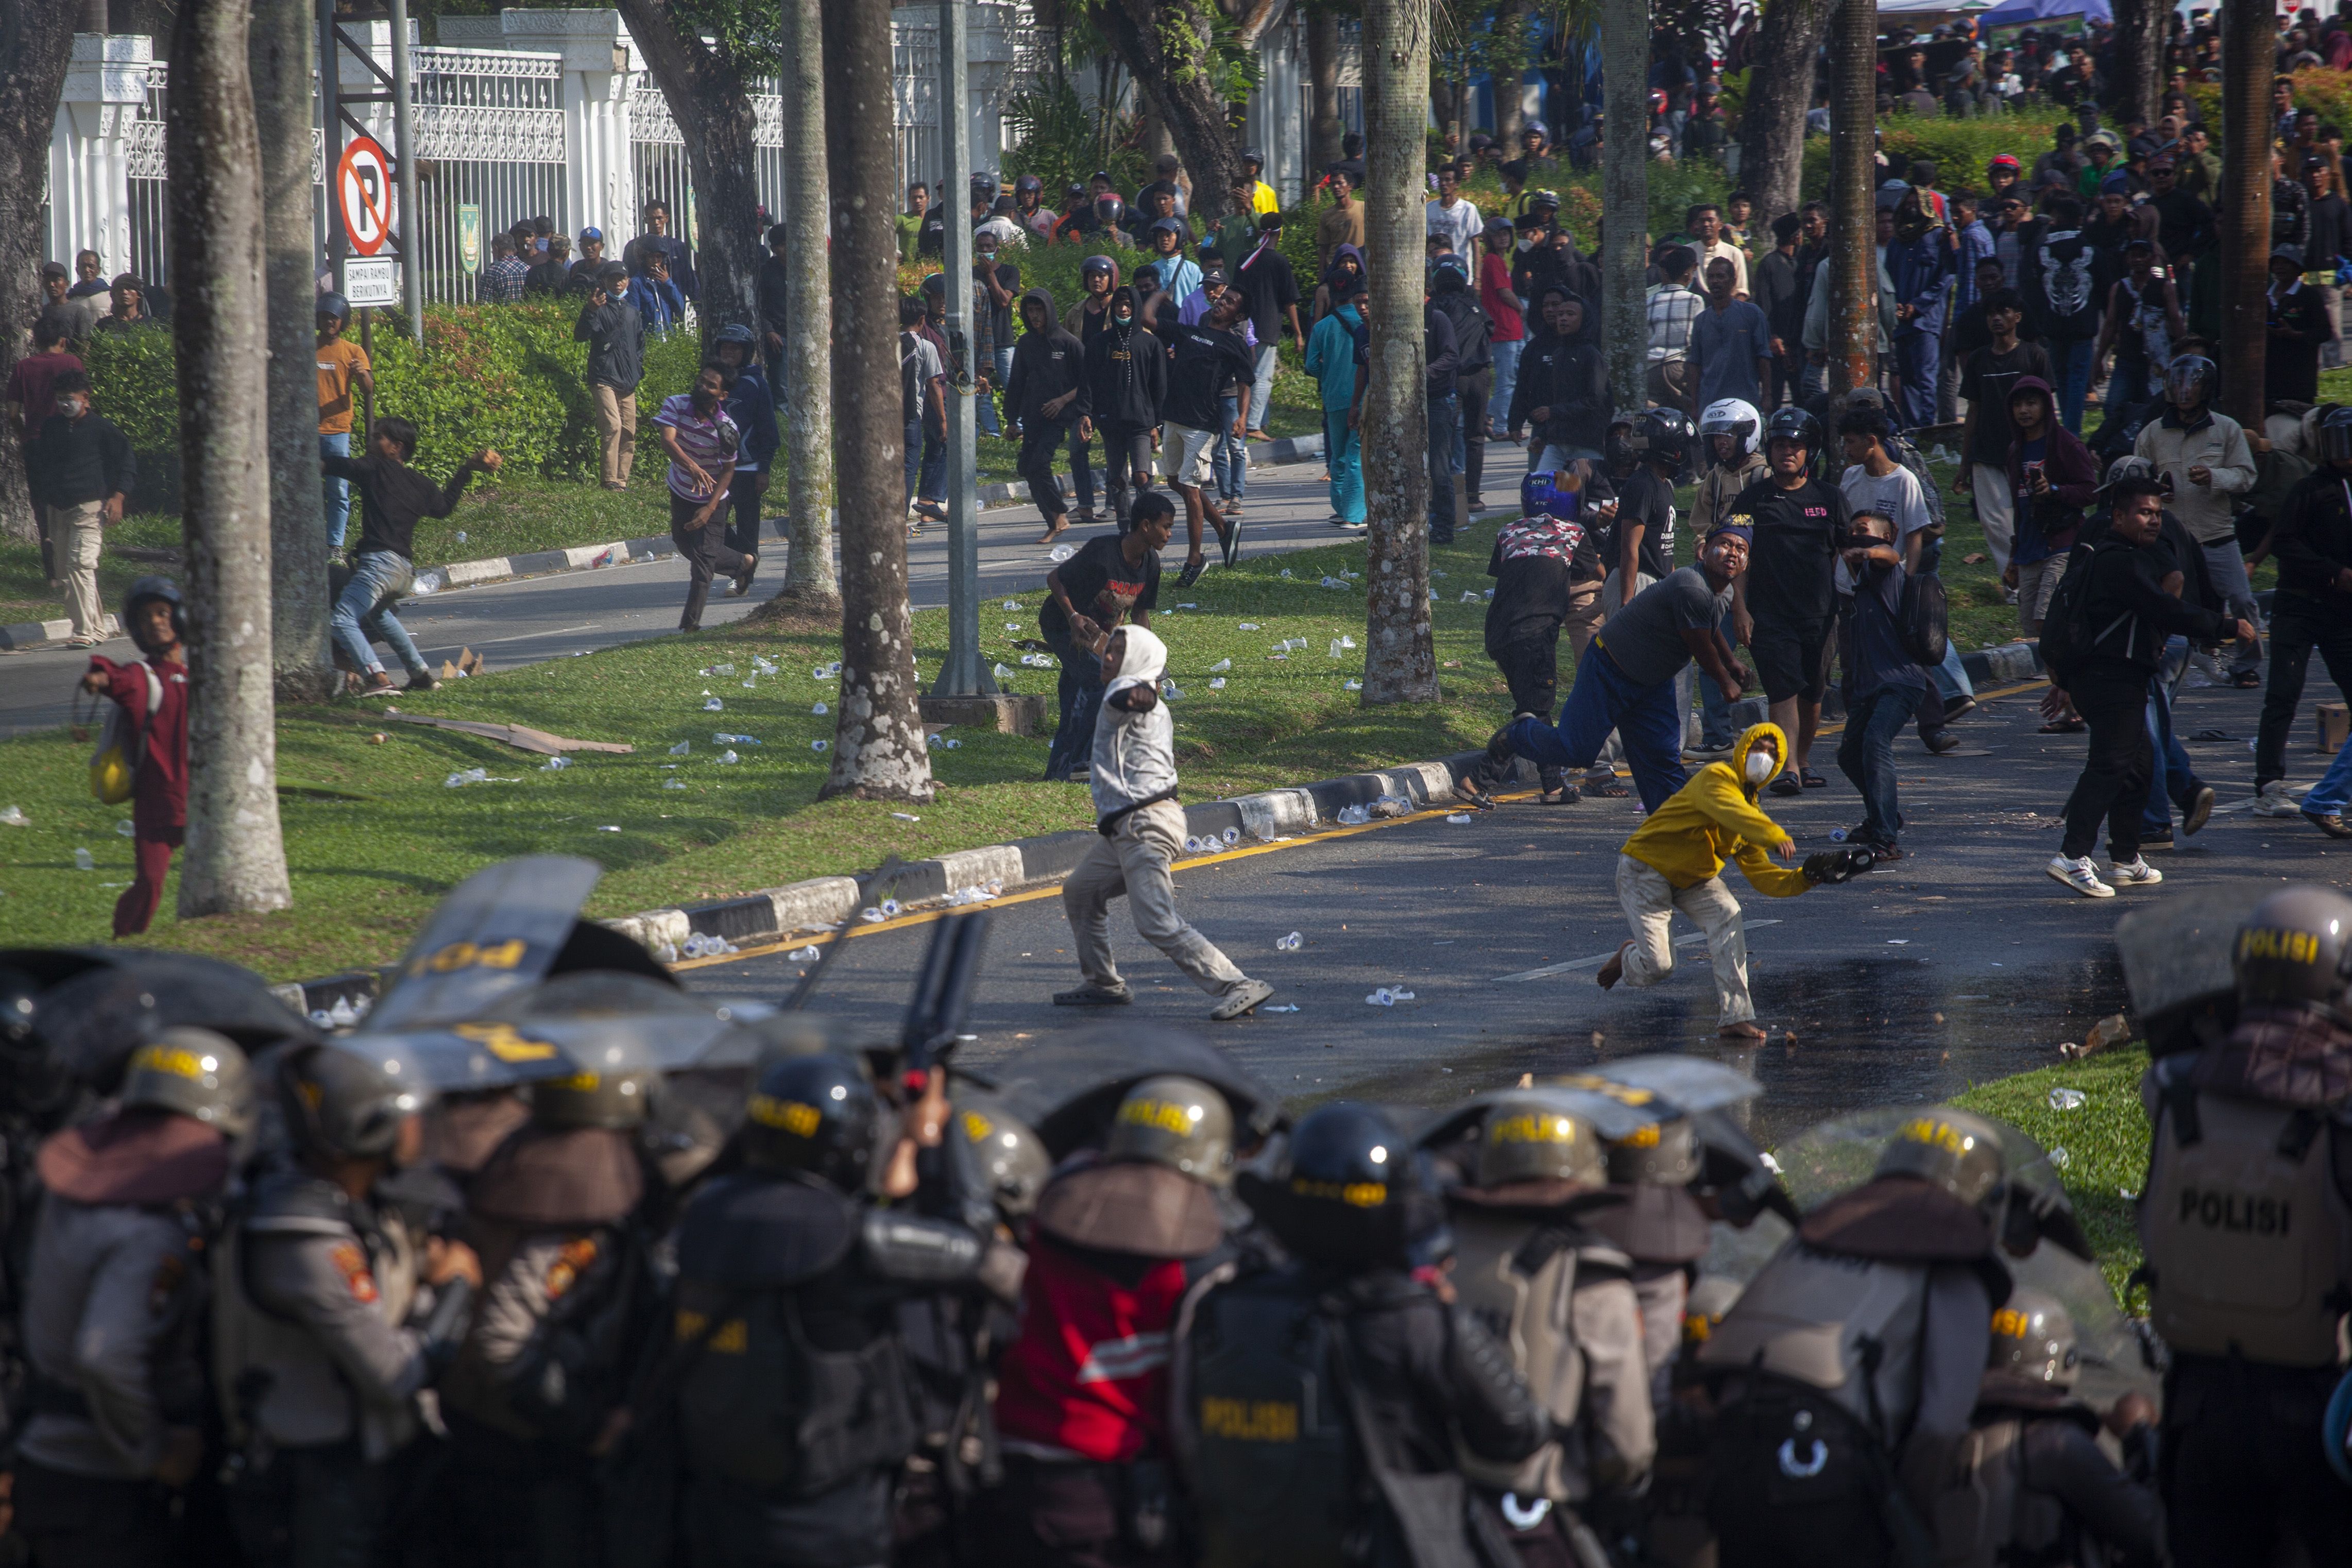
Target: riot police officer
(1561, 1299)
(1848, 1369)
(795, 1403)
(1318, 1400)
(2030, 1482)
(562, 1315)
(1116, 1241)
(323, 1328)
(112, 1317)
(2246, 1221)
(1662, 1228)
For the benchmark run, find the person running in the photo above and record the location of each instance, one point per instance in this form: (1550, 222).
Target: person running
(1883, 685)
(1211, 363)
(393, 497)
(1141, 832)
(754, 408)
(702, 441)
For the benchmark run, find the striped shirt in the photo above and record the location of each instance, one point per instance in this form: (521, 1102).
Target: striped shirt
(710, 440)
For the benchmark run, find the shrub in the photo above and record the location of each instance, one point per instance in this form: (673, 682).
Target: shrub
(2316, 87)
(1959, 148)
(508, 376)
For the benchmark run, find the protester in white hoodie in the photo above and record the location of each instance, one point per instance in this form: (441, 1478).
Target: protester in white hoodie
(1142, 831)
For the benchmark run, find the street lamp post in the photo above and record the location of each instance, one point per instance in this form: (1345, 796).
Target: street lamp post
(962, 674)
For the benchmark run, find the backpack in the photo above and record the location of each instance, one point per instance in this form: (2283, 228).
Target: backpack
(2067, 636)
(1922, 615)
(911, 377)
(1901, 449)
(122, 745)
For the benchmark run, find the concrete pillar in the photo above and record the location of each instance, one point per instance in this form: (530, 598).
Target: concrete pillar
(89, 150)
(989, 56)
(600, 67)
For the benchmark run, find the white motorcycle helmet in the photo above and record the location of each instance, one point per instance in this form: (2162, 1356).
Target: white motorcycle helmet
(1731, 416)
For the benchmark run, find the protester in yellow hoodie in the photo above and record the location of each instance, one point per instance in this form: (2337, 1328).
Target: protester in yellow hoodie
(1674, 861)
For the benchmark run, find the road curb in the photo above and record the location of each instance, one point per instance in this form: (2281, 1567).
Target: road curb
(25, 634)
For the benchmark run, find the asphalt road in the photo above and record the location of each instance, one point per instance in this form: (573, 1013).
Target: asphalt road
(517, 623)
(1962, 963)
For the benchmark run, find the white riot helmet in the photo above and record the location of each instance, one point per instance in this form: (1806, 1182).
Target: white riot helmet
(1732, 416)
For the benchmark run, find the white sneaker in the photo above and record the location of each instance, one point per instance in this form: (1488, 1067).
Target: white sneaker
(2275, 801)
(2079, 875)
(2134, 873)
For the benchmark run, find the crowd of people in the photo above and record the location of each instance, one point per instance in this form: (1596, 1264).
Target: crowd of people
(552, 1264)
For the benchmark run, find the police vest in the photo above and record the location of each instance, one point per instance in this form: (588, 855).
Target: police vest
(764, 1400)
(1847, 1326)
(2245, 1226)
(1985, 1514)
(1271, 1465)
(1518, 1274)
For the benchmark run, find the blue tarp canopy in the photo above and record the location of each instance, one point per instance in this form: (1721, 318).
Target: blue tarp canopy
(2017, 12)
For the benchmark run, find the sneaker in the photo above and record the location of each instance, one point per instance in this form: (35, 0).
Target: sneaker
(1192, 573)
(2199, 811)
(2331, 823)
(423, 681)
(1958, 708)
(1243, 996)
(1938, 742)
(1706, 753)
(2246, 679)
(1094, 996)
(2156, 838)
(2079, 875)
(2275, 801)
(2134, 872)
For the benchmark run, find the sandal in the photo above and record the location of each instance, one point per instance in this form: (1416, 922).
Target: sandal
(1470, 792)
(2066, 727)
(1809, 779)
(1562, 794)
(1786, 784)
(1610, 788)
(2247, 681)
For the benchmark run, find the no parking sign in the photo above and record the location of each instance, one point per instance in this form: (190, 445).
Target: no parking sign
(363, 193)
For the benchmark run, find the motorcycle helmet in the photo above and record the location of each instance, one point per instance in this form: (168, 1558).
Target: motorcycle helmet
(163, 588)
(335, 305)
(1664, 435)
(1732, 416)
(1540, 497)
(1028, 182)
(2336, 437)
(1793, 424)
(2190, 381)
(1110, 211)
(735, 333)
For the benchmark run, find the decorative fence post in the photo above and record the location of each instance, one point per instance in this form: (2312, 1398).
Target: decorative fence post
(599, 70)
(90, 152)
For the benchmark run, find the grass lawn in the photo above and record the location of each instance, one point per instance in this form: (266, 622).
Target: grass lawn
(2104, 1141)
(367, 869)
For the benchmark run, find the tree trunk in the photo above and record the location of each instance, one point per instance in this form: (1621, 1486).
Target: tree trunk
(1780, 90)
(1625, 199)
(284, 44)
(813, 574)
(878, 748)
(1510, 74)
(708, 97)
(1324, 127)
(36, 43)
(235, 858)
(1853, 238)
(1164, 46)
(1400, 659)
(2139, 46)
(2249, 45)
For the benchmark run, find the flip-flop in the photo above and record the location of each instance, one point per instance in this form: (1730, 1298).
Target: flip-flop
(1809, 779)
(1612, 788)
(1785, 786)
(2066, 727)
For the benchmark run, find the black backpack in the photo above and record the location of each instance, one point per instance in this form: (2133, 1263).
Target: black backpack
(1923, 617)
(2066, 636)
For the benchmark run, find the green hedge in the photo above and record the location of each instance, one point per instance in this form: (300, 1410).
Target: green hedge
(508, 376)
(1959, 148)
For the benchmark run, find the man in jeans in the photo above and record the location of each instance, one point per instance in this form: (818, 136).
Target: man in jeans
(1507, 310)
(1444, 359)
(2312, 610)
(1673, 306)
(1883, 685)
(343, 370)
(392, 496)
(1046, 396)
(615, 335)
(1112, 577)
(923, 392)
(79, 471)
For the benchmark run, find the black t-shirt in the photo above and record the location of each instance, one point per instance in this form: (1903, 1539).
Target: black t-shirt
(1986, 381)
(1271, 288)
(1646, 498)
(1207, 362)
(1000, 317)
(1788, 571)
(1103, 585)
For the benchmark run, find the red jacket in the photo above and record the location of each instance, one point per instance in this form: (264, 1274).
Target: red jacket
(1089, 1372)
(159, 791)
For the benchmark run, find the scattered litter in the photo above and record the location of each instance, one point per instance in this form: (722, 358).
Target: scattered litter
(2068, 1099)
(1286, 572)
(820, 745)
(751, 686)
(2060, 1158)
(1347, 641)
(128, 829)
(673, 784)
(722, 738)
(1353, 686)
(1334, 647)
(700, 946)
(555, 764)
(760, 664)
(906, 817)
(890, 909)
(1488, 594)
(1392, 806)
(1216, 683)
(1012, 603)
(1002, 673)
(684, 748)
(470, 777)
(609, 828)
(870, 915)
(720, 669)
(1457, 816)
(2212, 735)
(1231, 836)
(1013, 626)
(1172, 691)
(802, 955)
(1251, 626)
(1061, 553)
(946, 743)
(461, 536)
(1290, 943)
(1221, 663)
(1468, 597)
(83, 861)
(376, 739)
(1898, 941)
(1188, 606)
(1384, 997)
(1355, 816)
(713, 706)
(1335, 582)
(1284, 1007)
(978, 893)
(14, 816)
(819, 711)
(727, 758)
(1438, 575)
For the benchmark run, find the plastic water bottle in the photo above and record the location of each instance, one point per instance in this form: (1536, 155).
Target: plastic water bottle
(1383, 997)
(556, 765)
(684, 748)
(819, 711)
(1290, 943)
(1061, 553)
(820, 745)
(906, 817)
(673, 784)
(1221, 665)
(2060, 1158)
(342, 1015)
(83, 861)
(1354, 815)
(127, 828)
(1347, 641)
(2068, 1099)
(802, 955)
(1355, 686)
(1012, 603)
(870, 915)
(1002, 673)
(890, 909)
(1334, 647)
(1251, 626)
(14, 816)
(722, 670)
(946, 743)
(1458, 817)
(1216, 683)
(713, 706)
(1837, 835)
(729, 758)
(1286, 572)
(1468, 598)
(1232, 836)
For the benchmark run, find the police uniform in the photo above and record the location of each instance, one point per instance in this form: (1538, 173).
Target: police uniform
(2030, 1484)
(2245, 1219)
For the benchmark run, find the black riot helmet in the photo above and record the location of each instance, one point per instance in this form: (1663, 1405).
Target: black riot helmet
(2336, 437)
(343, 1105)
(1350, 1190)
(1791, 423)
(613, 1088)
(2295, 950)
(815, 1114)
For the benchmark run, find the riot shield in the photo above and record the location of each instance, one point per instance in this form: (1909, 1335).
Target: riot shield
(499, 931)
(96, 1017)
(1068, 1089)
(2176, 963)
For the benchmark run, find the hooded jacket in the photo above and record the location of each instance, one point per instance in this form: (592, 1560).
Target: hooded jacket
(1715, 818)
(1046, 365)
(1134, 754)
(2073, 470)
(1458, 303)
(1331, 358)
(1127, 376)
(1332, 292)
(1565, 376)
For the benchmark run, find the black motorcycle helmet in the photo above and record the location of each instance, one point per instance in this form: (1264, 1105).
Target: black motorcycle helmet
(1617, 447)
(1350, 1191)
(1665, 435)
(815, 1114)
(1793, 424)
(156, 587)
(1110, 211)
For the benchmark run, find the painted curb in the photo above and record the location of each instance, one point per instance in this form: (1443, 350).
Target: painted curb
(25, 634)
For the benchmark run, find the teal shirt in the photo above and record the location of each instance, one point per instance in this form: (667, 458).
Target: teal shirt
(1331, 357)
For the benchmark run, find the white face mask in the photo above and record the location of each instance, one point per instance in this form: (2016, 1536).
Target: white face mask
(70, 407)
(1760, 764)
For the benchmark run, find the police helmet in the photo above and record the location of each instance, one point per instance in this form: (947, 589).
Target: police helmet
(2033, 1337)
(1347, 1191)
(1950, 1149)
(1110, 209)
(2295, 950)
(335, 305)
(2336, 437)
(1529, 1139)
(2190, 380)
(1663, 1155)
(196, 1073)
(1013, 1160)
(1732, 416)
(814, 1113)
(345, 1105)
(156, 587)
(613, 1088)
(1791, 423)
(1178, 1122)
(1664, 435)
